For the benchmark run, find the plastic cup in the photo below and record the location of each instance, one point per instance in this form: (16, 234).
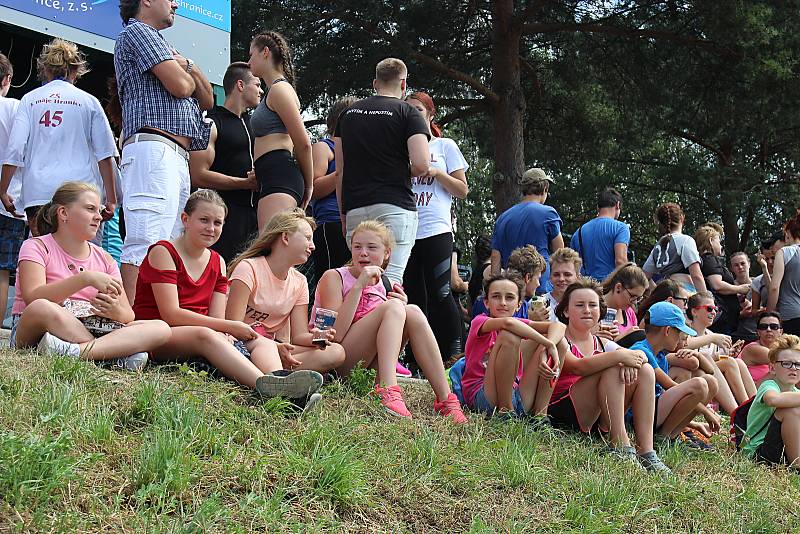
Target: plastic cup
(608, 320)
(536, 302)
(323, 320)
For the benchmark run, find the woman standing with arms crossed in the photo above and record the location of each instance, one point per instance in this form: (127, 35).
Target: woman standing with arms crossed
(282, 152)
(427, 274)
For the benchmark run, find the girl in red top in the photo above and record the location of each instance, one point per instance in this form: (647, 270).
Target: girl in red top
(182, 283)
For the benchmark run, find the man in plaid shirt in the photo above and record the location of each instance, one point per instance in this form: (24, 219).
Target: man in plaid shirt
(162, 95)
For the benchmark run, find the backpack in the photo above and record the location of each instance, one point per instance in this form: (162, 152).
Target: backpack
(456, 373)
(738, 428)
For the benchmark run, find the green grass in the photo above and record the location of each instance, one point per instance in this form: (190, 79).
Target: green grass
(83, 449)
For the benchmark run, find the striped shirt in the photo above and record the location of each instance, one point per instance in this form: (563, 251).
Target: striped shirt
(145, 101)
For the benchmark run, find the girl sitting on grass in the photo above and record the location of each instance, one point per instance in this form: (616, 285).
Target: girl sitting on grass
(60, 271)
(373, 321)
(622, 290)
(511, 362)
(756, 354)
(182, 282)
(702, 312)
(601, 380)
(269, 294)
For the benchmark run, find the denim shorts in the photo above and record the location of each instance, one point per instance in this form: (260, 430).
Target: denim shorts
(481, 404)
(12, 338)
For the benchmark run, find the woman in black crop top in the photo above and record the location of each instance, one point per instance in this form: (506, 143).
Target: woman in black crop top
(282, 149)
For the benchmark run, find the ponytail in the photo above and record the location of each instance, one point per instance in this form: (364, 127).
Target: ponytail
(46, 220)
(426, 100)
(279, 48)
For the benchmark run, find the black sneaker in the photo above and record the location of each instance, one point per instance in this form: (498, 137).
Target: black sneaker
(689, 440)
(539, 422)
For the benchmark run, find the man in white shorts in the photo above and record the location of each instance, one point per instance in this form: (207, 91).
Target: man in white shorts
(162, 94)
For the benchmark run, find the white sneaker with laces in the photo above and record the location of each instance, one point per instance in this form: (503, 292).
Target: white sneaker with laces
(53, 345)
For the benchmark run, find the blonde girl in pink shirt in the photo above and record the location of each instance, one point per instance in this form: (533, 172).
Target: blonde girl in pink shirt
(374, 321)
(270, 295)
(61, 276)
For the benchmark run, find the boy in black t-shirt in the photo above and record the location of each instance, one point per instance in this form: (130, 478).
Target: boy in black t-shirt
(381, 142)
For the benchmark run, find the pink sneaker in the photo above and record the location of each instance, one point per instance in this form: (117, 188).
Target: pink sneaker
(392, 399)
(401, 370)
(450, 407)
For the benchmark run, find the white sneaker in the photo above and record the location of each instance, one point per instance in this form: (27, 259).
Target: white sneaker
(51, 344)
(134, 362)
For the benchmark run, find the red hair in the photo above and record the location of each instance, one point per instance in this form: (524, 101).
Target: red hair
(792, 226)
(427, 101)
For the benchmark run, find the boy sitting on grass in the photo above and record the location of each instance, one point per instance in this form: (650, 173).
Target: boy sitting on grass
(773, 423)
(530, 265)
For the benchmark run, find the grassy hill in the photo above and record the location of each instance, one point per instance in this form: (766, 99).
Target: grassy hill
(83, 449)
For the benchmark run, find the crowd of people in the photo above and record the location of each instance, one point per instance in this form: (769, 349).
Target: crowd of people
(577, 338)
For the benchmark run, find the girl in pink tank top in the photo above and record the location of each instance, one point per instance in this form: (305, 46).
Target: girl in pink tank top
(373, 324)
(622, 290)
(598, 372)
(756, 354)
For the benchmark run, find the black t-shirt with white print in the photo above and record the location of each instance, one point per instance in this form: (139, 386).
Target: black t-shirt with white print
(374, 133)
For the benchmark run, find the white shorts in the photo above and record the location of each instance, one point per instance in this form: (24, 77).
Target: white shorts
(155, 178)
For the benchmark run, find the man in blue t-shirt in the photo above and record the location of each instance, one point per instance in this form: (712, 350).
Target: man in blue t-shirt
(603, 241)
(530, 222)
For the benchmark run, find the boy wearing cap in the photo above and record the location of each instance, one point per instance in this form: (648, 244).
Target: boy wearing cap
(676, 404)
(530, 222)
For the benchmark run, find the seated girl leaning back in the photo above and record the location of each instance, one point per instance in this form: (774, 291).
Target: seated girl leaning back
(182, 282)
(269, 294)
(374, 319)
(511, 363)
(601, 380)
(60, 271)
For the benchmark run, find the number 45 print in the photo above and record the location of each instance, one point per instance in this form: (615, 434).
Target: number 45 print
(51, 120)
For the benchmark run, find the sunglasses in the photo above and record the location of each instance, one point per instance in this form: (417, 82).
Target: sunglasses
(683, 299)
(768, 326)
(786, 364)
(709, 309)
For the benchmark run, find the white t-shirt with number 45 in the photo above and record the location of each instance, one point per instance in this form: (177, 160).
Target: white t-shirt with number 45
(59, 134)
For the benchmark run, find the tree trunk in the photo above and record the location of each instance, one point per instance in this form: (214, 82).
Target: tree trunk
(509, 110)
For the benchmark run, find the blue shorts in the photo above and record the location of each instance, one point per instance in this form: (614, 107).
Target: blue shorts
(12, 338)
(12, 234)
(481, 404)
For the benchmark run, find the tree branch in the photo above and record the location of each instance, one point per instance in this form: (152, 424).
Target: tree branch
(424, 59)
(661, 35)
(698, 141)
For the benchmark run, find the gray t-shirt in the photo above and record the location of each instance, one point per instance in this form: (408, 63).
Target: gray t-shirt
(789, 297)
(675, 256)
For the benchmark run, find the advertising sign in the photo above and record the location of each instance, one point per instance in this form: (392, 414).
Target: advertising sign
(101, 17)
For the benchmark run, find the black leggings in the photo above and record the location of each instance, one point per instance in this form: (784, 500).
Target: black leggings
(427, 284)
(330, 249)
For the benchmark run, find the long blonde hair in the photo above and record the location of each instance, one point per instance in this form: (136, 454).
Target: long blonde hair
(377, 227)
(283, 222)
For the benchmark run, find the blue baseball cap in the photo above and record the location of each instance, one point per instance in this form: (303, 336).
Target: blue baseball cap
(667, 314)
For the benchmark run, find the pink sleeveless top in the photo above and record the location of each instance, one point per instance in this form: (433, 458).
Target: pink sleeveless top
(758, 372)
(566, 380)
(371, 296)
